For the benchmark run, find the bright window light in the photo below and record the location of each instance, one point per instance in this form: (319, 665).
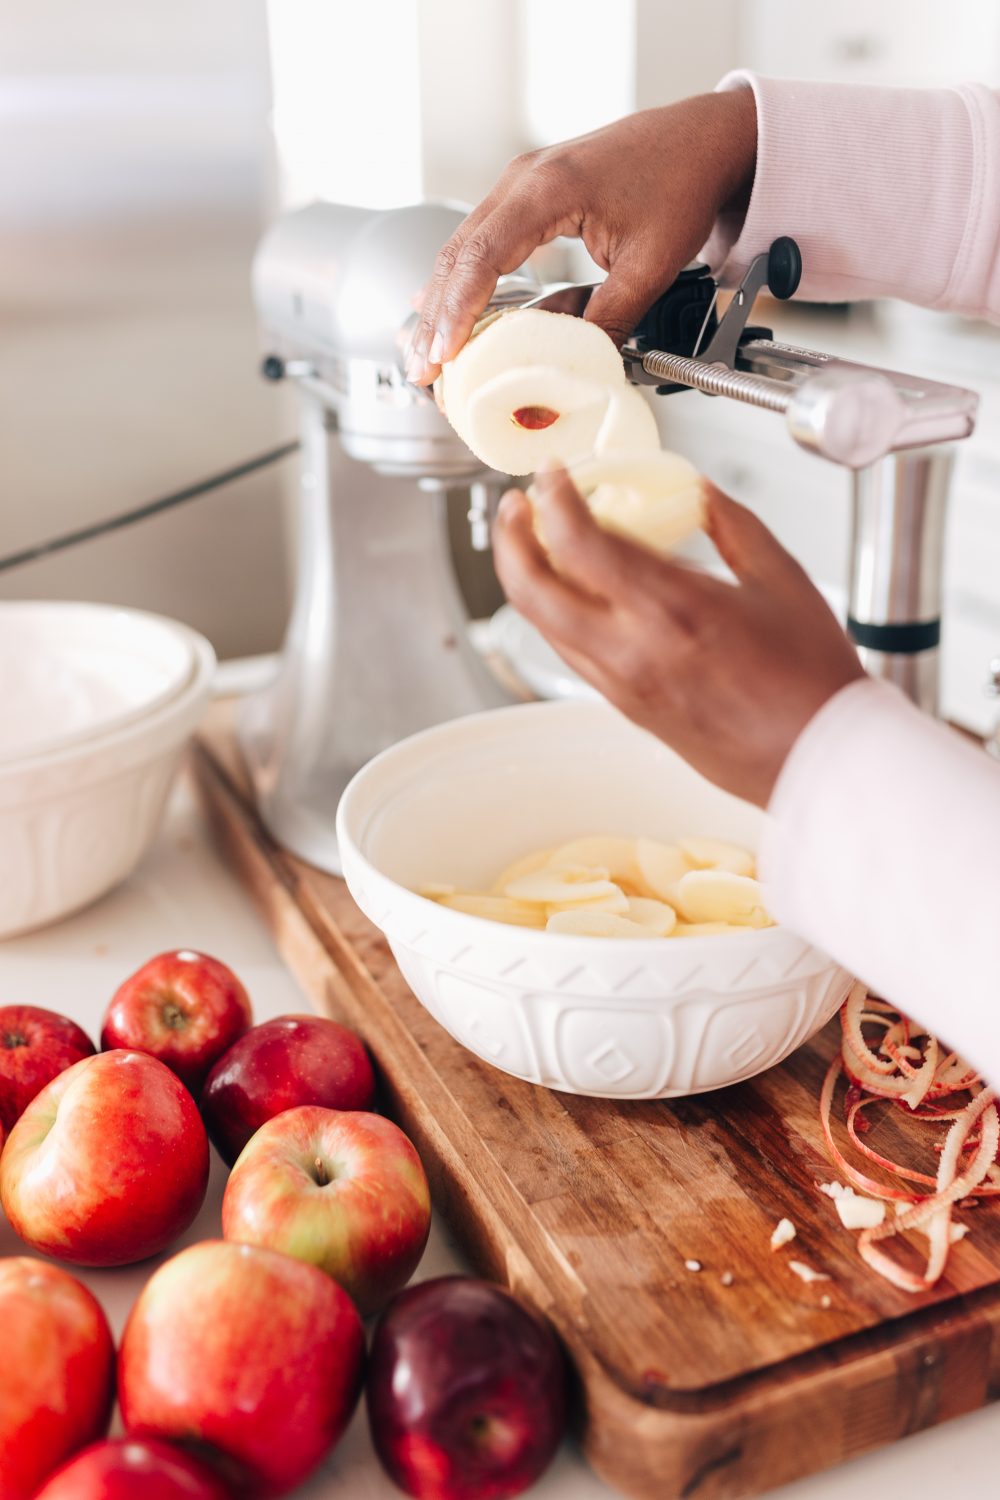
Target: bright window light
(346, 92)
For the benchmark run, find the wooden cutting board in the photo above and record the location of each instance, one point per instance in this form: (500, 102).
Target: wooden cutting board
(589, 1209)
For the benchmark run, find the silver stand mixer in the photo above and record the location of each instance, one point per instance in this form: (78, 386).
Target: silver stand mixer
(377, 645)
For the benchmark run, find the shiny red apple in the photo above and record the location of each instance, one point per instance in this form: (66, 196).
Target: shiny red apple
(277, 1065)
(343, 1190)
(250, 1357)
(35, 1045)
(184, 1008)
(108, 1164)
(133, 1469)
(56, 1375)
(466, 1392)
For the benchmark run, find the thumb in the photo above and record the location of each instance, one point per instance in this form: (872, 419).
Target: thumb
(745, 544)
(619, 302)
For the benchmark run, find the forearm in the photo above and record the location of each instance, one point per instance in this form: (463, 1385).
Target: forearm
(883, 848)
(889, 192)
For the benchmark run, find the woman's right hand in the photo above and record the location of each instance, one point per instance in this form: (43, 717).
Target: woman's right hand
(642, 194)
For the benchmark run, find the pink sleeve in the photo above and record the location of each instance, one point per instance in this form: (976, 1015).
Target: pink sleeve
(883, 849)
(889, 192)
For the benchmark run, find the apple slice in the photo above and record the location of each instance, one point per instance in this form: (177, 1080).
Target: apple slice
(661, 867)
(603, 924)
(603, 851)
(704, 929)
(528, 336)
(615, 901)
(717, 854)
(495, 909)
(526, 865)
(628, 426)
(569, 886)
(656, 918)
(654, 499)
(720, 896)
(530, 413)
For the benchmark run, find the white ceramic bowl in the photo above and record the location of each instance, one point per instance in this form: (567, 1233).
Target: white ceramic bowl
(78, 670)
(76, 820)
(628, 1019)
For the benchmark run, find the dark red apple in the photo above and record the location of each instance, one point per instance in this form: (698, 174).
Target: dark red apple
(133, 1469)
(280, 1064)
(184, 1008)
(57, 1375)
(35, 1045)
(108, 1164)
(249, 1357)
(342, 1189)
(466, 1391)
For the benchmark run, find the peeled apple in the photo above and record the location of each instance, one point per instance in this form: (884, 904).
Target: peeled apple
(533, 386)
(651, 498)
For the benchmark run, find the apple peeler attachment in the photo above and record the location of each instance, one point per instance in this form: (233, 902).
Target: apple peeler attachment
(849, 413)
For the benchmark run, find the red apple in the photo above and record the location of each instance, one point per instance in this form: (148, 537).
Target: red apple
(35, 1045)
(108, 1164)
(342, 1190)
(289, 1061)
(252, 1358)
(466, 1392)
(126, 1469)
(57, 1376)
(185, 1008)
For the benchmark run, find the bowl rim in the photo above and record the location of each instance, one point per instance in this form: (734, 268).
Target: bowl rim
(464, 922)
(24, 784)
(47, 611)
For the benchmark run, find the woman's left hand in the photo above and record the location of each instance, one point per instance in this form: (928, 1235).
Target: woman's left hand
(728, 674)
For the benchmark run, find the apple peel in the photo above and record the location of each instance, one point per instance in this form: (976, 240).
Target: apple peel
(908, 1069)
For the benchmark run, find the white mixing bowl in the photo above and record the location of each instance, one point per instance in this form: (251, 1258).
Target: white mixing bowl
(76, 820)
(640, 1018)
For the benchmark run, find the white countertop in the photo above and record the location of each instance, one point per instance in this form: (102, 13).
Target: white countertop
(183, 897)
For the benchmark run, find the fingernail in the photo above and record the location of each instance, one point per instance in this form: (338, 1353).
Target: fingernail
(436, 350)
(414, 365)
(507, 506)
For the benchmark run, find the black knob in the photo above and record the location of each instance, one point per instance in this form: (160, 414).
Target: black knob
(273, 368)
(784, 268)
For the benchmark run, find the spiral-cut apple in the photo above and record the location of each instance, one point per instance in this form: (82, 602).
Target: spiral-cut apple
(533, 385)
(654, 499)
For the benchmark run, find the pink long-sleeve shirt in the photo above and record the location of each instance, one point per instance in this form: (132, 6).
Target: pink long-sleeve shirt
(883, 843)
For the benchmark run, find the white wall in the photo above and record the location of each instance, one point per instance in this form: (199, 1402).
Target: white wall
(133, 187)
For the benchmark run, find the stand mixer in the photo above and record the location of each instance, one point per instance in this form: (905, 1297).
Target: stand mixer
(377, 644)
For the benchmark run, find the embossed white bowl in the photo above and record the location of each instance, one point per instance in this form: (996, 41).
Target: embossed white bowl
(628, 1019)
(75, 821)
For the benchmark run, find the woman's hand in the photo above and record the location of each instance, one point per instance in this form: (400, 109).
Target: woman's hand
(727, 674)
(642, 194)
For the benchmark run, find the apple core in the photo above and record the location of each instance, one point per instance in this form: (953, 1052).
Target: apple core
(535, 418)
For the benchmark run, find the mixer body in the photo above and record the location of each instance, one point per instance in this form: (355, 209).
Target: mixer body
(377, 644)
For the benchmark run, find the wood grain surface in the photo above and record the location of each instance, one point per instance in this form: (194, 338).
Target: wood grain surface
(718, 1382)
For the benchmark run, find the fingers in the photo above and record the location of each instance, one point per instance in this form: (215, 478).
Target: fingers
(493, 241)
(633, 284)
(611, 567)
(745, 544)
(560, 611)
(605, 565)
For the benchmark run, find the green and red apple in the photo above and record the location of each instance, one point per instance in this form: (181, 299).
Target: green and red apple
(343, 1190)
